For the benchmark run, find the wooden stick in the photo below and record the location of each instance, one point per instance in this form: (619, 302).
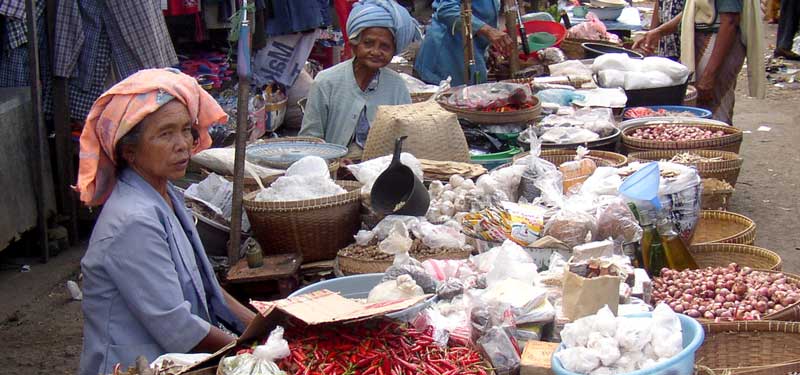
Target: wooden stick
(510, 12)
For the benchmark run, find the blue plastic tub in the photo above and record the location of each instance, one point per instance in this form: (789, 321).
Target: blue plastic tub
(358, 287)
(681, 364)
(698, 112)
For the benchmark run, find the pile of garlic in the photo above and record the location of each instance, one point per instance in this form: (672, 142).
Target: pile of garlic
(461, 196)
(602, 344)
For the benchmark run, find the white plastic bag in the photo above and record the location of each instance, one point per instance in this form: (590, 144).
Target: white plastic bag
(611, 78)
(633, 334)
(220, 160)
(440, 236)
(577, 359)
(607, 348)
(605, 323)
(367, 172)
(576, 334)
(676, 71)
(400, 288)
(570, 68)
(398, 243)
(646, 80)
(262, 361)
(615, 61)
(667, 337)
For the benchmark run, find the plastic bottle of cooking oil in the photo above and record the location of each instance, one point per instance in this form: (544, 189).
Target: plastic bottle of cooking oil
(677, 253)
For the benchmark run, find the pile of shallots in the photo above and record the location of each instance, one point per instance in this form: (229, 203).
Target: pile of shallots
(725, 293)
(674, 133)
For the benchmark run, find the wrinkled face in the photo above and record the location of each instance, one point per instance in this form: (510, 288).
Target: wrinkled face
(375, 47)
(165, 144)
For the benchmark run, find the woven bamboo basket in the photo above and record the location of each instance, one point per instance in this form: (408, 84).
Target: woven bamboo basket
(723, 254)
(726, 169)
(731, 141)
(315, 228)
(716, 200)
(749, 347)
(486, 118)
(724, 227)
(560, 156)
(356, 266)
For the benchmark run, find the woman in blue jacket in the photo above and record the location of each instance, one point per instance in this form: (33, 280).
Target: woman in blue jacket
(442, 51)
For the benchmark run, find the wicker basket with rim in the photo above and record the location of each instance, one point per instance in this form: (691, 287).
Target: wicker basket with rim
(731, 141)
(723, 254)
(417, 97)
(724, 227)
(356, 266)
(726, 169)
(560, 156)
(716, 199)
(479, 117)
(749, 347)
(315, 228)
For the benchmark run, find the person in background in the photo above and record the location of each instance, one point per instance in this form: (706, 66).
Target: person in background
(344, 99)
(148, 287)
(787, 28)
(772, 9)
(665, 10)
(716, 37)
(442, 51)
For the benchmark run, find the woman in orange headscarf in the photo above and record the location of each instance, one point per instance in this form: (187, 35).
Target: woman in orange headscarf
(148, 286)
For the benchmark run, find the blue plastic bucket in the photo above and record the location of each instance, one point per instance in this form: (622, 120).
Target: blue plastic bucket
(681, 364)
(358, 287)
(698, 112)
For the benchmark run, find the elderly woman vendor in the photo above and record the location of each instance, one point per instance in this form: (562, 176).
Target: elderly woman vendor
(344, 99)
(148, 286)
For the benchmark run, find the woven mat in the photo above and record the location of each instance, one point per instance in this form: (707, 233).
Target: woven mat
(442, 170)
(433, 133)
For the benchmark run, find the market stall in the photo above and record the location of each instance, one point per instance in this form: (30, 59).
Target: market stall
(567, 221)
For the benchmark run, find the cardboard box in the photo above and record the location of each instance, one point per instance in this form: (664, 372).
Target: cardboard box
(321, 307)
(536, 358)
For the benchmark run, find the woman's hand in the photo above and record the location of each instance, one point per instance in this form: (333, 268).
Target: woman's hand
(649, 42)
(705, 88)
(498, 39)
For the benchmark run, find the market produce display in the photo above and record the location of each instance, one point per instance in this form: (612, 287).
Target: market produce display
(725, 293)
(674, 133)
(639, 112)
(692, 158)
(493, 97)
(605, 344)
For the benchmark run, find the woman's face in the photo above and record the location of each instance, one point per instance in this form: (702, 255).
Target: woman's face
(165, 143)
(375, 47)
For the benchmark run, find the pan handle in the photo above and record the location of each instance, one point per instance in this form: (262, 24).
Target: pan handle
(398, 148)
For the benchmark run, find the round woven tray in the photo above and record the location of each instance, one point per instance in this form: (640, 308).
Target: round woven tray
(731, 141)
(356, 266)
(315, 228)
(722, 254)
(560, 156)
(726, 169)
(749, 347)
(716, 200)
(724, 227)
(485, 118)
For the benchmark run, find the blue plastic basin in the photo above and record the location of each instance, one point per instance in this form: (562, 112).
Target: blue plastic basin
(681, 364)
(358, 287)
(698, 112)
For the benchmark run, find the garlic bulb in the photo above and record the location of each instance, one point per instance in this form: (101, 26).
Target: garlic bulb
(456, 181)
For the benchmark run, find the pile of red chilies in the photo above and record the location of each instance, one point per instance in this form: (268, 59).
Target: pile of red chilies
(380, 348)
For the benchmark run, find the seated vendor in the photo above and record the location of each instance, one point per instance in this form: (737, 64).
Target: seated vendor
(148, 287)
(344, 99)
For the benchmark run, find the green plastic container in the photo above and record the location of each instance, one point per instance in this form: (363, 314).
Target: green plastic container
(491, 161)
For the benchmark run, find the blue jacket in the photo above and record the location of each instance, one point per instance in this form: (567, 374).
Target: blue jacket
(148, 286)
(442, 51)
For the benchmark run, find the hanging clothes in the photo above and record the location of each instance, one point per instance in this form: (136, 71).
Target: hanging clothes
(291, 16)
(182, 7)
(95, 36)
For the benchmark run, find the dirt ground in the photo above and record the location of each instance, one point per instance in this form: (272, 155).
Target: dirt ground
(41, 334)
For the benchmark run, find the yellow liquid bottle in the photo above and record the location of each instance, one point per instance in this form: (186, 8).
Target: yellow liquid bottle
(678, 256)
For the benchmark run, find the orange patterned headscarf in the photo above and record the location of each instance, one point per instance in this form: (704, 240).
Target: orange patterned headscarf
(121, 108)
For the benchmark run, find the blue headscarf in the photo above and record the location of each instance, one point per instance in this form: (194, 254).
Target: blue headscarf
(384, 13)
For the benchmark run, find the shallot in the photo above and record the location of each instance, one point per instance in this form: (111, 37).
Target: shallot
(726, 293)
(674, 133)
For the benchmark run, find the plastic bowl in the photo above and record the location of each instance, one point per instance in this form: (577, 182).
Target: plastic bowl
(698, 112)
(681, 364)
(358, 287)
(606, 13)
(551, 27)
